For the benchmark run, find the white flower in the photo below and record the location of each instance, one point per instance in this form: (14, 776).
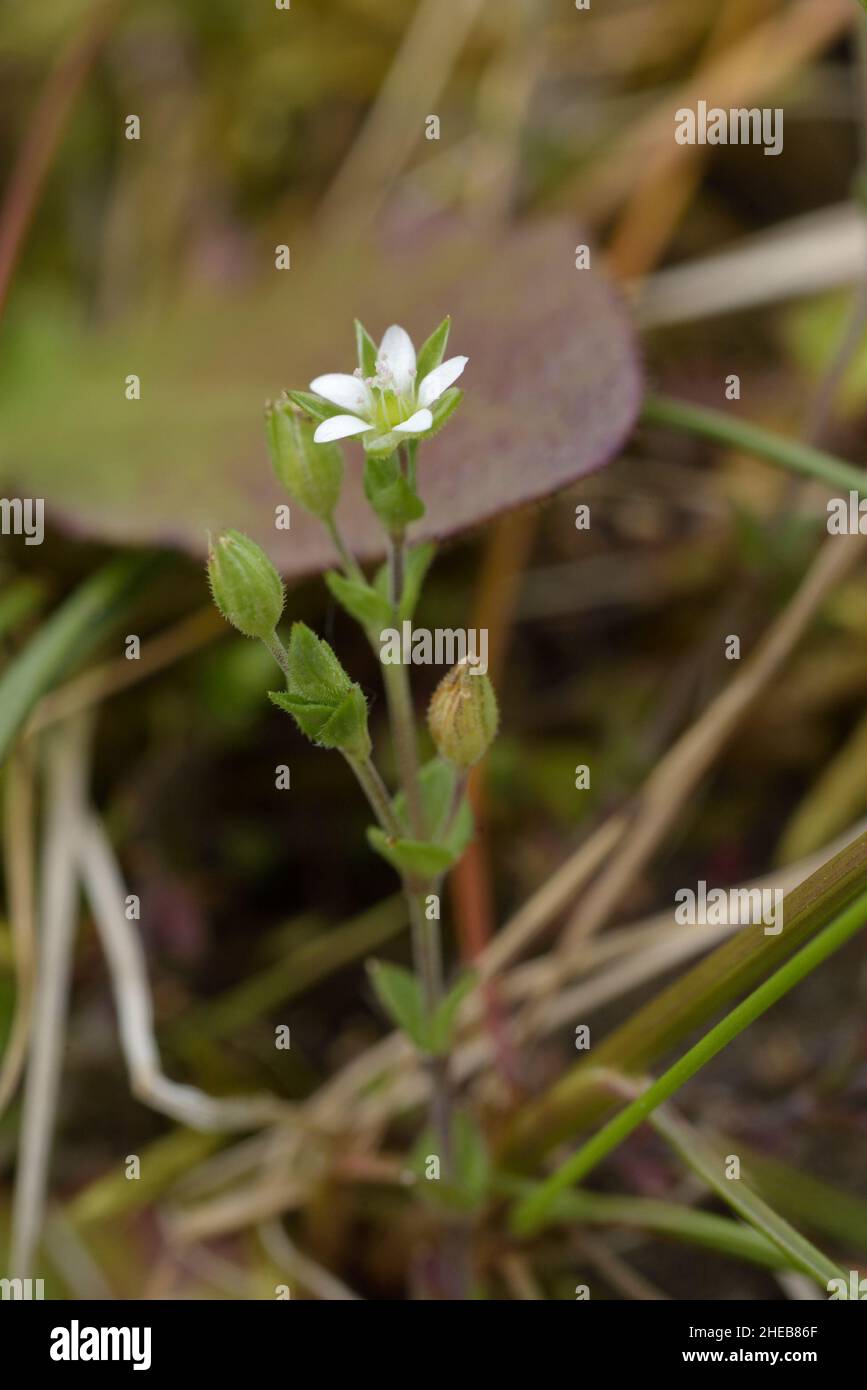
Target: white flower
(388, 400)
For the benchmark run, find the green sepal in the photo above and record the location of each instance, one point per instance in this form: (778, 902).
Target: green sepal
(366, 349)
(366, 604)
(390, 495)
(316, 406)
(432, 352)
(381, 445)
(443, 409)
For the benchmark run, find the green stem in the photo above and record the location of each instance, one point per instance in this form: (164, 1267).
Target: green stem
(400, 708)
(351, 567)
(722, 428)
(377, 794)
(531, 1212)
(396, 548)
(427, 956)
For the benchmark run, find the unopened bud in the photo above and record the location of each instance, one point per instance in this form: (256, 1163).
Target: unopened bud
(311, 473)
(463, 716)
(245, 585)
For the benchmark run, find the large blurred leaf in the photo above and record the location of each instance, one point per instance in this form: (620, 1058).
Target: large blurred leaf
(552, 389)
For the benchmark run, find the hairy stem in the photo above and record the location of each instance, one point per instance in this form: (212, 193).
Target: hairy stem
(278, 651)
(376, 792)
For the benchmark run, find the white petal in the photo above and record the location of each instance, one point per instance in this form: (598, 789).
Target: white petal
(416, 424)
(339, 427)
(397, 354)
(342, 389)
(440, 379)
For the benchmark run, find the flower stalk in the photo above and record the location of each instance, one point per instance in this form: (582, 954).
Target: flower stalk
(392, 401)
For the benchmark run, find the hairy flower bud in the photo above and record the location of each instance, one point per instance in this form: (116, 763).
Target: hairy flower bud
(245, 585)
(463, 716)
(311, 473)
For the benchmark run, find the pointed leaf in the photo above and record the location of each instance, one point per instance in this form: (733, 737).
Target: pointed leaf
(417, 858)
(443, 1022)
(314, 671)
(400, 995)
(366, 604)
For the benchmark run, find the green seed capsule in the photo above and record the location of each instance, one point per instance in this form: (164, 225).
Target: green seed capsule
(311, 473)
(463, 716)
(245, 585)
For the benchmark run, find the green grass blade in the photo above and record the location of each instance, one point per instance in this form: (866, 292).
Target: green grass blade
(659, 1218)
(800, 1253)
(684, 1006)
(18, 602)
(806, 1199)
(73, 629)
(835, 935)
(721, 428)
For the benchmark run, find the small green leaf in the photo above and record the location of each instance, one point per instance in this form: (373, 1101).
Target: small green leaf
(437, 785)
(400, 995)
(362, 602)
(347, 727)
(418, 562)
(468, 1187)
(431, 352)
(326, 705)
(366, 349)
(309, 715)
(443, 1022)
(472, 1161)
(77, 626)
(341, 724)
(389, 494)
(314, 671)
(417, 858)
